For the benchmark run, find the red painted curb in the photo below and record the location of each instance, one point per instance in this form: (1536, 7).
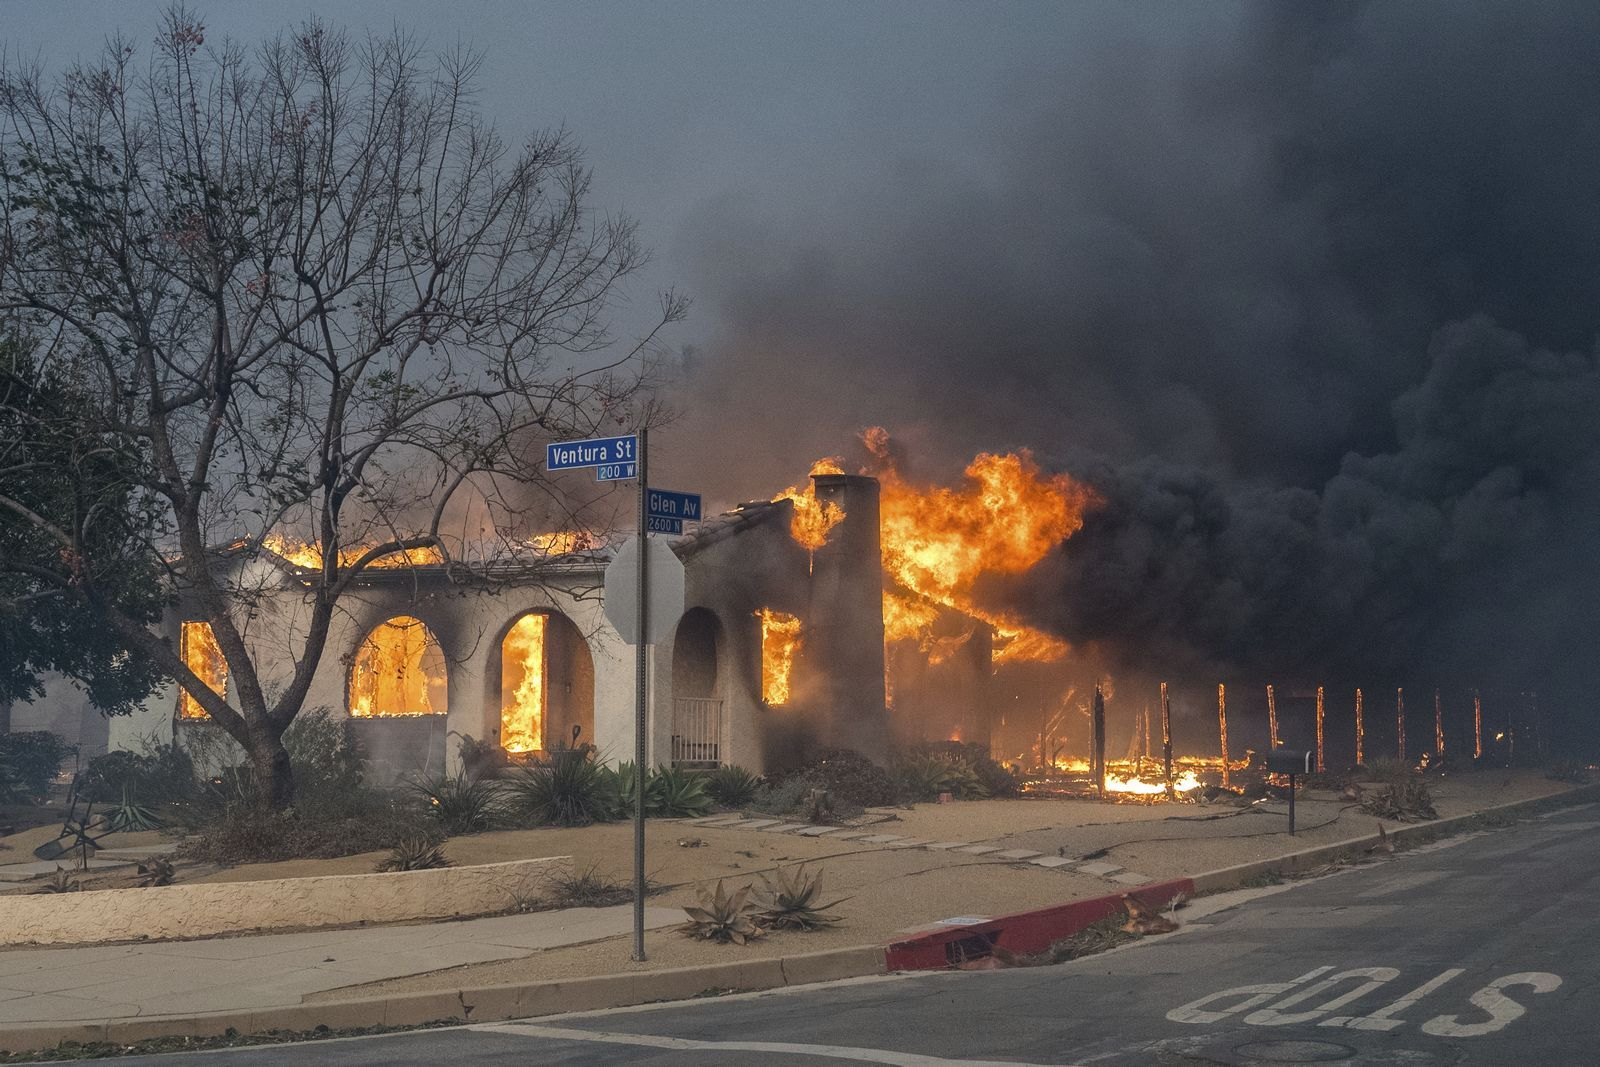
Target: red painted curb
(1024, 933)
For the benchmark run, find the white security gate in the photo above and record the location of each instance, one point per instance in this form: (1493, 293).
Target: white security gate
(696, 731)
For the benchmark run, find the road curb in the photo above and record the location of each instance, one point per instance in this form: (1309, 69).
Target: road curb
(1023, 932)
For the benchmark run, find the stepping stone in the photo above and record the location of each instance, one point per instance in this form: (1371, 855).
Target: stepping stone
(815, 831)
(21, 872)
(1131, 878)
(1017, 854)
(940, 846)
(788, 827)
(847, 835)
(1050, 861)
(163, 848)
(882, 839)
(979, 850)
(708, 820)
(758, 824)
(907, 842)
(722, 822)
(1101, 869)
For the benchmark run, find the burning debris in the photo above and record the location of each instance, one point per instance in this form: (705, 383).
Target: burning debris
(309, 554)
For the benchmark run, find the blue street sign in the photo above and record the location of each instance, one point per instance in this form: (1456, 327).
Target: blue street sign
(616, 472)
(571, 455)
(656, 524)
(665, 504)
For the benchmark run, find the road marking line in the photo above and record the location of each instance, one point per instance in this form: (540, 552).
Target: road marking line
(834, 1052)
(1502, 1009)
(1384, 1019)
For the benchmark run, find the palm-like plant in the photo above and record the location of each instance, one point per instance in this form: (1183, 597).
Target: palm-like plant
(732, 786)
(792, 901)
(461, 803)
(723, 918)
(566, 789)
(414, 854)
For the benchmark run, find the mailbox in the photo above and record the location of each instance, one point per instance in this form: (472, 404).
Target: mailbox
(1291, 762)
(1288, 761)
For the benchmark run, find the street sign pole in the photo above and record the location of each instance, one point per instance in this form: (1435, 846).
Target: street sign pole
(641, 704)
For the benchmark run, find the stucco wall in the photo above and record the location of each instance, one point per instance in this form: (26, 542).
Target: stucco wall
(185, 911)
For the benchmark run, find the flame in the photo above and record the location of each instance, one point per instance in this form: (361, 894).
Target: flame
(813, 519)
(1222, 727)
(522, 692)
(937, 542)
(1181, 784)
(780, 640)
(308, 554)
(399, 670)
(197, 644)
(1477, 725)
(1361, 732)
(563, 542)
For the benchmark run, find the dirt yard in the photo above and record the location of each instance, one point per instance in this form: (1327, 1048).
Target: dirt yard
(890, 889)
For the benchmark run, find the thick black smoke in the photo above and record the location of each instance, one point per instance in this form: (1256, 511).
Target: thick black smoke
(1213, 255)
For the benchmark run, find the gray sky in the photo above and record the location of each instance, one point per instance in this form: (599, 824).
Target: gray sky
(685, 107)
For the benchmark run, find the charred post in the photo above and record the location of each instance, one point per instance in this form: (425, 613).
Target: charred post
(1097, 741)
(1322, 766)
(1166, 736)
(1222, 729)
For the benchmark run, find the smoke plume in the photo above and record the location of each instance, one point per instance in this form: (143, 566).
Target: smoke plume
(1307, 292)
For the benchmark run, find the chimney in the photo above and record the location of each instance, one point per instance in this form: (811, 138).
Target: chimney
(845, 625)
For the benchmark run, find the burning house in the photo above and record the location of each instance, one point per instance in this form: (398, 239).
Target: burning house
(782, 649)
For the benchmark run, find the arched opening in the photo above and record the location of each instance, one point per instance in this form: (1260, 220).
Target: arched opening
(399, 670)
(197, 644)
(546, 684)
(697, 704)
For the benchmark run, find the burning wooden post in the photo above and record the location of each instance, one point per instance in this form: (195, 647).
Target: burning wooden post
(1321, 765)
(1272, 721)
(1477, 725)
(1145, 758)
(1438, 728)
(1166, 736)
(1361, 732)
(1400, 722)
(1222, 727)
(1097, 741)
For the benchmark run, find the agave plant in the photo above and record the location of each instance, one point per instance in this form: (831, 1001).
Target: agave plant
(792, 901)
(566, 789)
(414, 854)
(154, 871)
(622, 781)
(130, 817)
(732, 786)
(60, 882)
(462, 804)
(679, 793)
(722, 918)
(925, 776)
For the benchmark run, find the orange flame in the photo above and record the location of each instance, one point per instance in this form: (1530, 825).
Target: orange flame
(780, 641)
(813, 519)
(399, 670)
(938, 542)
(522, 692)
(308, 554)
(564, 542)
(197, 644)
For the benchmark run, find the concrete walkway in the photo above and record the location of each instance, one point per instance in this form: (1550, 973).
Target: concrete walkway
(230, 974)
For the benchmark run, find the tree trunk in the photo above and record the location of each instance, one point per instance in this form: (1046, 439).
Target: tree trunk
(269, 761)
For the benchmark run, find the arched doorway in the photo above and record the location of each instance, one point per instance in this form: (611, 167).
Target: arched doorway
(697, 702)
(399, 670)
(546, 684)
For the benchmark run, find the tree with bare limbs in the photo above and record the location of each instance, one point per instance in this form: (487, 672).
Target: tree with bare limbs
(319, 293)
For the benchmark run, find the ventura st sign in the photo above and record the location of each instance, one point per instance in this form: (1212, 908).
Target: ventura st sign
(601, 452)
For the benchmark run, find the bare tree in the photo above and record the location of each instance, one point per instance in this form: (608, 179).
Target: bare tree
(323, 294)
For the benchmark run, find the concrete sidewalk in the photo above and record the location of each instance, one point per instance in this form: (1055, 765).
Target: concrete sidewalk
(246, 973)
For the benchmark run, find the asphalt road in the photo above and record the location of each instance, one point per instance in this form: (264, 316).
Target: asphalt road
(1478, 950)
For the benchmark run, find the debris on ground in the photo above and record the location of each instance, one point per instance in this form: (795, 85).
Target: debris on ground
(1144, 920)
(1385, 843)
(1403, 802)
(690, 842)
